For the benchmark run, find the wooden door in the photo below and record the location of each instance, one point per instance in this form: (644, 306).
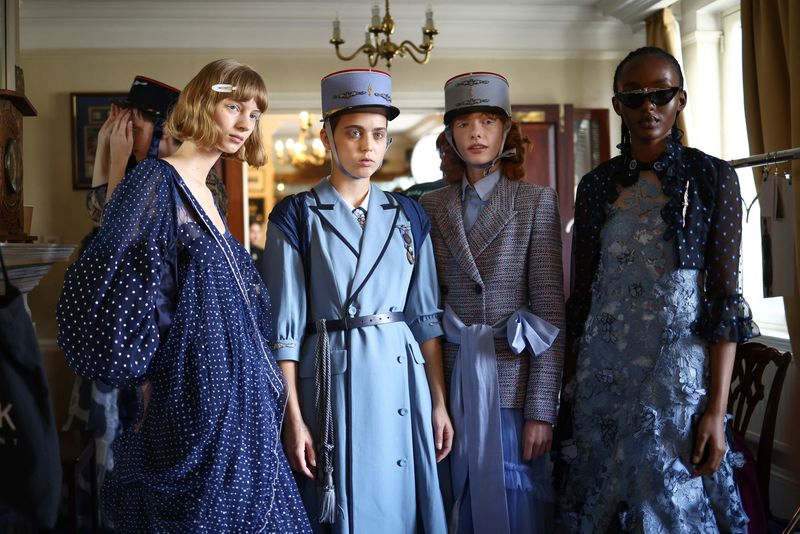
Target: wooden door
(231, 172)
(566, 143)
(550, 162)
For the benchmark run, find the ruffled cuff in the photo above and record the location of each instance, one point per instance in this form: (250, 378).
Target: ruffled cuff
(426, 327)
(727, 318)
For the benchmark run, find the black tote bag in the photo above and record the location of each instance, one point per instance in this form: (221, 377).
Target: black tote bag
(30, 466)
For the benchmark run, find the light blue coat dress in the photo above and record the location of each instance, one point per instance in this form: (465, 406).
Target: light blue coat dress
(384, 456)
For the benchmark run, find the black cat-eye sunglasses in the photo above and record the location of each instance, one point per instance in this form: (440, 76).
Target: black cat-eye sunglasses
(635, 99)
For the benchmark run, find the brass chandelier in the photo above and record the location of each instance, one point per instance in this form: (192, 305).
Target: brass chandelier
(376, 47)
(306, 150)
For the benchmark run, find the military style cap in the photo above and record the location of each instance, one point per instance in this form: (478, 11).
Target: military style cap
(476, 91)
(151, 96)
(357, 88)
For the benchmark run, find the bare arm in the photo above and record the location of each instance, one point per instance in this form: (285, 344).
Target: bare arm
(120, 147)
(297, 441)
(710, 439)
(101, 156)
(442, 427)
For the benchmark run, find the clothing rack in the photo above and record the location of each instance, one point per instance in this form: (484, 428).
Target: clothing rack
(766, 159)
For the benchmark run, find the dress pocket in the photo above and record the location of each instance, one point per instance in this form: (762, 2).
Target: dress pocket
(413, 352)
(307, 365)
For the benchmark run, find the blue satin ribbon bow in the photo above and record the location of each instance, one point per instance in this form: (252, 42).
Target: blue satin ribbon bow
(475, 409)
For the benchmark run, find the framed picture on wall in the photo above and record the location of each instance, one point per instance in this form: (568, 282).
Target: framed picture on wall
(89, 112)
(255, 180)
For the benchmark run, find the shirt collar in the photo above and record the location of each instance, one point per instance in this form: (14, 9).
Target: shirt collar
(483, 187)
(364, 203)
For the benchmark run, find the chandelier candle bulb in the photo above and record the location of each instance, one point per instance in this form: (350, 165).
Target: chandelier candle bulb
(378, 42)
(376, 16)
(318, 147)
(304, 150)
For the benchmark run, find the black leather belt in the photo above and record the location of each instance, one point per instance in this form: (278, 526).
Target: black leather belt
(349, 323)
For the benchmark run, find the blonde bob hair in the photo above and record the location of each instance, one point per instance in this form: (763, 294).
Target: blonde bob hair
(192, 118)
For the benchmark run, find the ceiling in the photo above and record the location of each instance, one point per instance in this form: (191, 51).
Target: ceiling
(475, 28)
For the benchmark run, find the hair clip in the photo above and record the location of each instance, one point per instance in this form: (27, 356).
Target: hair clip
(223, 88)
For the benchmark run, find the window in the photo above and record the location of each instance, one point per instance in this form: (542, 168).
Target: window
(768, 312)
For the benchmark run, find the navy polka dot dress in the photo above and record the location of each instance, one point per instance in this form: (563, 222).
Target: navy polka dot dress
(160, 296)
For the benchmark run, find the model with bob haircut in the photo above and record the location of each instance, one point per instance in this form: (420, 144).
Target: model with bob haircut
(165, 294)
(497, 243)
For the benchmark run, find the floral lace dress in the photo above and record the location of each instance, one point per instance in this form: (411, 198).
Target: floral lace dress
(641, 378)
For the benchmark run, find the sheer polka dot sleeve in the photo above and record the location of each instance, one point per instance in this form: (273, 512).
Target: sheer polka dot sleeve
(726, 314)
(585, 255)
(107, 319)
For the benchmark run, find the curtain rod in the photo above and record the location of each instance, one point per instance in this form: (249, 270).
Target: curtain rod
(766, 159)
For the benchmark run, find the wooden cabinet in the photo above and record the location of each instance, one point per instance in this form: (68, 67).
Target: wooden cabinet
(13, 106)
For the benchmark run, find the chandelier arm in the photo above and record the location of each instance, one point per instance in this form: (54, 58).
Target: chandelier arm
(373, 59)
(365, 48)
(410, 48)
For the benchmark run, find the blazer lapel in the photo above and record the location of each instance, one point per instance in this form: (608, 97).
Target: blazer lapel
(382, 217)
(335, 215)
(495, 215)
(451, 225)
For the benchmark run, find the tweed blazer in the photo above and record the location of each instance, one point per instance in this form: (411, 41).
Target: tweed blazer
(511, 259)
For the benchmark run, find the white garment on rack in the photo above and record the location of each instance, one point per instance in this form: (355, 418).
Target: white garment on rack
(776, 200)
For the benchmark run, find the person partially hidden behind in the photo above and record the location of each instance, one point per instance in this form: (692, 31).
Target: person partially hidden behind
(256, 252)
(134, 131)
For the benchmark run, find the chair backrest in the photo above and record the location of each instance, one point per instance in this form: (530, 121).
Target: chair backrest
(747, 390)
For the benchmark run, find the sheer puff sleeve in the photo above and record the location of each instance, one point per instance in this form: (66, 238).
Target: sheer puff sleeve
(725, 314)
(107, 313)
(592, 194)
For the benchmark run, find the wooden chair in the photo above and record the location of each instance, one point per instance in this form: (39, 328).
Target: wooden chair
(747, 390)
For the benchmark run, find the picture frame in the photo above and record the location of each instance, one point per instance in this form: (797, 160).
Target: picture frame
(89, 112)
(255, 179)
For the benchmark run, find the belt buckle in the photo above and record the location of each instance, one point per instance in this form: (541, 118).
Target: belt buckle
(348, 323)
